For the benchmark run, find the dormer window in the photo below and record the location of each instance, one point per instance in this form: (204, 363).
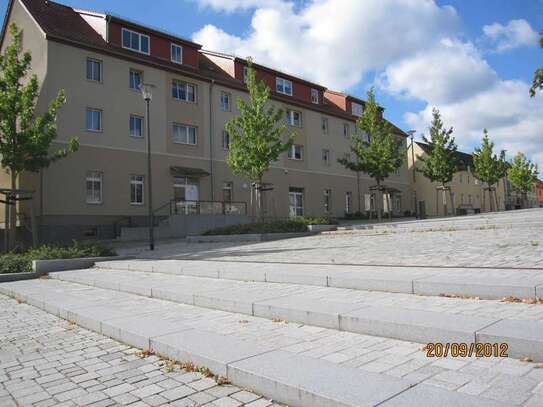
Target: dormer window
(315, 96)
(245, 73)
(357, 109)
(283, 86)
(136, 42)
(177, 53)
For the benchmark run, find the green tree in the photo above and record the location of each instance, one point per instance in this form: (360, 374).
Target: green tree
(441, 162)
(381, 153)
(522, 175)
(537, 83)
(256, 135)
(25, 136)
(488, 167)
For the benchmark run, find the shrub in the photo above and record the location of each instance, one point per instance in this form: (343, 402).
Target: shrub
(279, 226)
(323, 220)
(22, 262)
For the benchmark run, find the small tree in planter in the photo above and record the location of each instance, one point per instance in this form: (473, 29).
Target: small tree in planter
(489, 168)
(25, 136)
(381, 154)
(256, 135)
(522, 174)
(441, 162)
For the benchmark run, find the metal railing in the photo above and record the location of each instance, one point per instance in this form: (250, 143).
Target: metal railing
(181, 207)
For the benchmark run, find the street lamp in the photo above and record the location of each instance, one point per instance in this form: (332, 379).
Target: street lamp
(412, 135)
(147, 94)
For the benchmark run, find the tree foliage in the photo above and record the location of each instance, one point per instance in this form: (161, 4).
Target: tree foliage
(257, 134)
(381, 153)
(25, 137)
(441, 162)
(537, 83)
(522, 173)
(487, 166)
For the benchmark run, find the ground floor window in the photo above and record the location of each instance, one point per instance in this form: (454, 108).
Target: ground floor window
(397, 204)
(136, 189)
(327, 200)
(94, 187)
(296, 201)
(227, 195)
(348, 202)
(186, 195)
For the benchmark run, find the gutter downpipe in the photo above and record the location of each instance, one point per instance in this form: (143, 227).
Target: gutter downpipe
(212, 175)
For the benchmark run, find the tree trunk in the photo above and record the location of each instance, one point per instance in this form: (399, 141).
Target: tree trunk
(389, 204)
(437, 202)
(483, 202)
(496, 198)
(379, 200)
(13, 213)
(358, 193)
(444, 200)
(259, 200)
(453, 206)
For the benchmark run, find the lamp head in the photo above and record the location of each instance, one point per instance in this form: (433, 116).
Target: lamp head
(146, 90)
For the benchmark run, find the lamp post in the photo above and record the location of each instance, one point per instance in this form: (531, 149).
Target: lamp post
(412, 135)
(147, 94)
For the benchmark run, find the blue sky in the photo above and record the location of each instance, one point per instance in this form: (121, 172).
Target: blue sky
(417, 54)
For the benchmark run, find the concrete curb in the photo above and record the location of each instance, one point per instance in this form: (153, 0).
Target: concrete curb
(262, 237)
(49, 266)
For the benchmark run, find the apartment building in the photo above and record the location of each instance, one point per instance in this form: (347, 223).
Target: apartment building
(469, 194)
(100, 60)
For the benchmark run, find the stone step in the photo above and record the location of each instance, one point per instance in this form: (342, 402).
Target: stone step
(390, 315)
(484, 283)
(287, 377)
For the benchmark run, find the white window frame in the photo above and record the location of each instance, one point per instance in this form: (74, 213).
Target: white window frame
(100, 70)
(226, 96)
(135, 116)
(292, 152)
(187, 127)
(327, 200)
(326, 156)
(172, 54)
(346, 129)
(228, 186)
(315, 96)
(294, 193)
(281, 86)
(94, 176)
(348, 202)
(100, 122)
(134, 71)
(324, 125)
(140, 35)
(290, 118)
(225, 140)
(178, 84)
(357, 109)
(136, 181)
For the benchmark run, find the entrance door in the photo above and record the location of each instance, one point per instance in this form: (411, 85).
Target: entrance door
(186, 195)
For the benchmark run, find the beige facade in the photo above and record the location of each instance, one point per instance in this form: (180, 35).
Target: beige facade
(469, 194)
(114, 156)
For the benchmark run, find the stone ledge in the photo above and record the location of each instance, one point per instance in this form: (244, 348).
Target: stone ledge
(261, 237)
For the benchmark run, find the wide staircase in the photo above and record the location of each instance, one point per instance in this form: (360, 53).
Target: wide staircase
(317, 335)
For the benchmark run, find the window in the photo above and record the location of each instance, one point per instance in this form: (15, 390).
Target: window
(94, 70)
(326, 157)
(327, 200)
(324, 125)
(296, 201)
(315, 96)
(94, 187)
(136, 189)
(296, 152)
(348, 202)
(183, 91)
(245, 73)
(460, 177)
(356, 109)
(469, 199)
(283, 86)
(461, 199)
(136, 126)
(225, 140)
(135, 41)
(177, 53)
(94, 119)
(397, 204)
(346, 129)
(294, 118)
(227, 195)
(183, 134)
(225, 102)
(135, 79)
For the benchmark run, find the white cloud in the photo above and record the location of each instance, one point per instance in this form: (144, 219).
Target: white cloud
(450, 71)
(516, 33)
(231, 6)
(344, 38)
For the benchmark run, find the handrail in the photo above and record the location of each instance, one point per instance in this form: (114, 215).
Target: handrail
(190, 207)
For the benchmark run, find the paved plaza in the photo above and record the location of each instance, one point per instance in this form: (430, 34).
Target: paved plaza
(46, 361)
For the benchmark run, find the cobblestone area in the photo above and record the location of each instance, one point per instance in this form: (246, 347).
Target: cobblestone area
(45, 361)
(473, 248)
